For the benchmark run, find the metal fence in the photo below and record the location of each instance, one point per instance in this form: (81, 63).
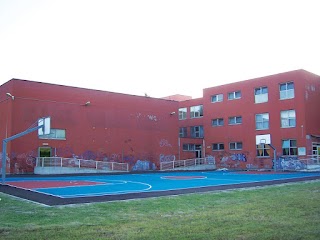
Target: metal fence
(186, 163)
(80, 163)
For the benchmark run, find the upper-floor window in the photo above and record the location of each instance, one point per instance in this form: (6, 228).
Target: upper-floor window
(217, 98)
(59, 134)
(182, 113)
(235, 120)
(191, 147)
(235, 145)
(261, 95)
(196, 131)
(262, 121)
(196, 111)
(217, 122)
(287, 90)
(288, 118)
(234, 95)
(217, 146)
(183, 132)
(289, 147)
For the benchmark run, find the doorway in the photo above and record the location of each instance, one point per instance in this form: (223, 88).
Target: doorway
(44, 151)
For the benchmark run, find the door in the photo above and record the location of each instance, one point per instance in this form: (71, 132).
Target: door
(44, 151)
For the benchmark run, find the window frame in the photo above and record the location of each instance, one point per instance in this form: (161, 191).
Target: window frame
(219, 98)
(183, 114)
(218, 120)
(292, 148)
(263, 96)
(287, 93)
(220, 147)
(54, 135)
(196, 113)
(266, 150)
(262, 122)
(282, 119)
(196, 133)
(234, 95)
(236, 145)
(236, 120)
(183, 132)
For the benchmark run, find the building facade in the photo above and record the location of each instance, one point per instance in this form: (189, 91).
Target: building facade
(242, 125)
(86, 124)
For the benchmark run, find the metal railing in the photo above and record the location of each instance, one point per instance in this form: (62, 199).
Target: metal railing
(81, 163)
(186, 163)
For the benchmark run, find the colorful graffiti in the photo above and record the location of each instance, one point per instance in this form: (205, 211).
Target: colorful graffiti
(230, 160)
(164, 143)
(167, 158)
(289, 163)
(143, 165)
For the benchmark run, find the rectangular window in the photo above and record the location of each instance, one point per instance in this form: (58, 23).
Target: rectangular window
(182, 113)
(196, 111)
(191, 147)
(235, 120)
(288, 119)
(261, 95)
(289, 147)
(262, 121)
(217, 98)
(286, 90)
(196, 131)
(59, 134)
(183, 132)
(217, 146)
(234, 95)
(263, 150)
(235, 145)
(217, 122)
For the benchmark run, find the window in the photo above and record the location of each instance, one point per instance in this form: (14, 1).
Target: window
(288, 119)
(217, 98)
(196, 111)
(262, 121)
(217, 146)
(261, 95)
(182, 113)
(55, 134)
(234, 95)
(289, 147)
(287, 90)
(235, 145)
(191, 147)
(196, 131)
(183, 132)
(235, 120)
(217, 122)
(263, 150)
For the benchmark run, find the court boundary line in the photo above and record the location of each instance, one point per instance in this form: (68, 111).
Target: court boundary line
(50, 200)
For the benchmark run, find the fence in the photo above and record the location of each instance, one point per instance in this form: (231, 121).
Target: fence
(80, 163)
(186, 163)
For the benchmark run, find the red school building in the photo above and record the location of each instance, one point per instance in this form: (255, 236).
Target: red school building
(231, 123)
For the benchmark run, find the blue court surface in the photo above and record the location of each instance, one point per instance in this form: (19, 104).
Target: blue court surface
(123, 184)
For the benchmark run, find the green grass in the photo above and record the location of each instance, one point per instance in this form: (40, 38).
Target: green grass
(278, 212)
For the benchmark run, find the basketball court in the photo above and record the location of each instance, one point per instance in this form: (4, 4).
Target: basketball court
(64, 190)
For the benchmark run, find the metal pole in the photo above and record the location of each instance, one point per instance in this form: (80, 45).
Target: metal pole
(4, 160)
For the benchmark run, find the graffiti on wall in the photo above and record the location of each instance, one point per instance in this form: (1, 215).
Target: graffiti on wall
(7, 162)
(143, 165)
(289, 163)
(164, 143)
(230, 160)
(167, 158)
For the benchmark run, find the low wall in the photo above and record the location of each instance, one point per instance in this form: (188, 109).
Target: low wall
(67, 170)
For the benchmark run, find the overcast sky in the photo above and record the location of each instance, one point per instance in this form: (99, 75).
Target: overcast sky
(156, 47)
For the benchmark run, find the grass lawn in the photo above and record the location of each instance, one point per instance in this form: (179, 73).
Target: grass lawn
(289, 211)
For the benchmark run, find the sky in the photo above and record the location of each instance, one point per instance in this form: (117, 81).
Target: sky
(158, 48)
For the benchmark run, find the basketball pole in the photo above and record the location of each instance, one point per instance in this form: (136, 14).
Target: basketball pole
(4, 148)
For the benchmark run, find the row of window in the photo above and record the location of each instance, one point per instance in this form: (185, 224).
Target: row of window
(195, 132)
(289, 148)
(288, 119)
(260, 93)
(286, 91)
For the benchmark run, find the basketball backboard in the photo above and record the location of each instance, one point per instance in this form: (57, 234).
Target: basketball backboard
(265, 138)
(45, 126)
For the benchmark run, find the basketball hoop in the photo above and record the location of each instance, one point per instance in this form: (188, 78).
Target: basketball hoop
(262, 143)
